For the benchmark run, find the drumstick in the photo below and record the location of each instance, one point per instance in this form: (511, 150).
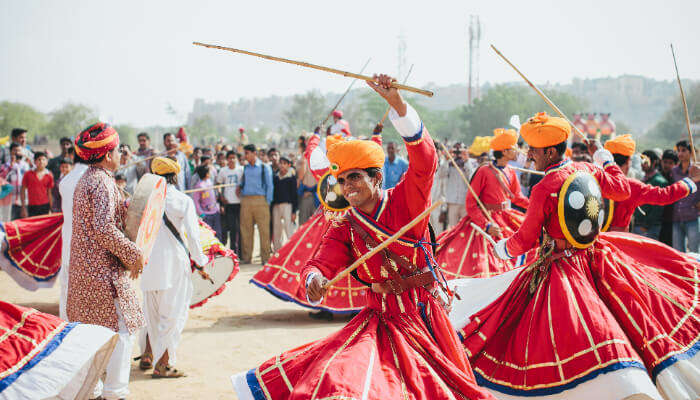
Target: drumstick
(685, 106)
(314, 66)
(147, 158)
(210, 187)
(542, 95)
(386, 113)
(340, 100)
(383, 244)
(471, 189)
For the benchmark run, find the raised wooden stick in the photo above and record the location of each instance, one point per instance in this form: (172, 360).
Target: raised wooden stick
(685, 106)
(386, 114)
(469, 186)
(147, 158)
(340, 100)
(384, 244)
(211, 187)
(542, 95)
(314, 66)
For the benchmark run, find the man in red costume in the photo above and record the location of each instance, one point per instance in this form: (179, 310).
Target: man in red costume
(597, 318)
(402, 344)
(463, 252)
(622, 149)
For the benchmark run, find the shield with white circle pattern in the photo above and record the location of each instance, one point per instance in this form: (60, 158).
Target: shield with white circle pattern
(580, 209)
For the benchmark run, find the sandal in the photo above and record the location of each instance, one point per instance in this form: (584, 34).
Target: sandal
(160, 372)
(146, 361)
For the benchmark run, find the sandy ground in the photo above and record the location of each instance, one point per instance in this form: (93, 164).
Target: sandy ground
(233, 332)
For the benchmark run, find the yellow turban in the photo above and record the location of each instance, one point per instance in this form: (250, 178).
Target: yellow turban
(350, 154)
(331, 140)
(480, 145)
(623, 144)
(164, 166)
(543, 130)
(503, 139)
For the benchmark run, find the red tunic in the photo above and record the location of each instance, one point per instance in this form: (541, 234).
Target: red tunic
(399, 346)
(646, 194)
(624, 302)
(462, 251)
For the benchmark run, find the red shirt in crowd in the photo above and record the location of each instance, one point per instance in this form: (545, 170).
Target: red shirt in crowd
(37, 189)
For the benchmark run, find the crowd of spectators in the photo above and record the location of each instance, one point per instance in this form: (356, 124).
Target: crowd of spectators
(274, 191)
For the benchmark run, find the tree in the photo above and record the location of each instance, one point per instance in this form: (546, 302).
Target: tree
(494, 109)
(19, 115)
(672, 127)
(69, 120)
(306, 112)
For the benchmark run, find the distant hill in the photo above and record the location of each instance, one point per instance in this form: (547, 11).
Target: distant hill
(635, 101)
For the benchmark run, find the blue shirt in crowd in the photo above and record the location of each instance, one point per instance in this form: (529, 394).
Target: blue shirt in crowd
(393, 171)
(257, 181)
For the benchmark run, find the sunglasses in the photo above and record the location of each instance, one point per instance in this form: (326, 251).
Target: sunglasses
(352, 178)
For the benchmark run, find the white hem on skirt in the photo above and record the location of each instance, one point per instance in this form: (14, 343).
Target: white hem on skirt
(240, 386)
(70, 371)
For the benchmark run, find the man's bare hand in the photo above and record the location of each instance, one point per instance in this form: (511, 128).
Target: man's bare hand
(382, 85)
(378, 129)
(694, 172)
(495, 231)
(138, 267)
(316, 289)
(593, 146)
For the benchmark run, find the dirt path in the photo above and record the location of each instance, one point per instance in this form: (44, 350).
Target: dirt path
(231, 333)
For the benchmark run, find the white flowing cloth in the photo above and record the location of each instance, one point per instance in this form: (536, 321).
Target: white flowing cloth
(680, 381)
(67, 189)
(70, 371)
(166, 283)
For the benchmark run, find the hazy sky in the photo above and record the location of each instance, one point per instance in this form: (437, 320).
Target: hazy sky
(129, 59)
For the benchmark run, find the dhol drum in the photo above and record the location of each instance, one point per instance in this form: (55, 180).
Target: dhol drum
(145, 213)
(222, 267)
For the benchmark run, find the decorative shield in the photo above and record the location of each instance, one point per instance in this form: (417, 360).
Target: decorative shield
(609, 208)
(580, 209)
(330, 194)
(145, 213)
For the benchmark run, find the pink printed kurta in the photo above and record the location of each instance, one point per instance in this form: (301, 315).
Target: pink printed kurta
(98, 249)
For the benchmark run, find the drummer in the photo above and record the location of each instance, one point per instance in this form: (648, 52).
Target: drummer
(166, 283)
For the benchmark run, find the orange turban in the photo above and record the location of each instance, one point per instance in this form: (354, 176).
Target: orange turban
(503, 139)
(332, 140)
(623, 144)
(351, 154)
(543, 130)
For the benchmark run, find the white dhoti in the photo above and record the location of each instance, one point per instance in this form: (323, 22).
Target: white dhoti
(166, 315)
(63, 294)
(116, 383)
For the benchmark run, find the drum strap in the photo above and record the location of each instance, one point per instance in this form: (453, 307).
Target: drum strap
(175, 233)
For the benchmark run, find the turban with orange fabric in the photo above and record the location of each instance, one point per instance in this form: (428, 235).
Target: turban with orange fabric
(543, 130)
(503, 139)
(623, 144)
(96, 141)
(351, 154)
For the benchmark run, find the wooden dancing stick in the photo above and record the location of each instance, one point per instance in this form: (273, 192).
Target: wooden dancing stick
(542, 95)
(211, 187)
(383, 244)
(471, 189)
(386, 113)
(527, 171)
(314, 66)
(340, 100)
(147, 158)
(685, 106)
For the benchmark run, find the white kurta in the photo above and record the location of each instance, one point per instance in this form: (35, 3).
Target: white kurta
(166, 283)
(67, 188)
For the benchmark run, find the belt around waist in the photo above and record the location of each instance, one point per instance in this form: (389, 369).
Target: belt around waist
(497, 206)
(397, 286)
